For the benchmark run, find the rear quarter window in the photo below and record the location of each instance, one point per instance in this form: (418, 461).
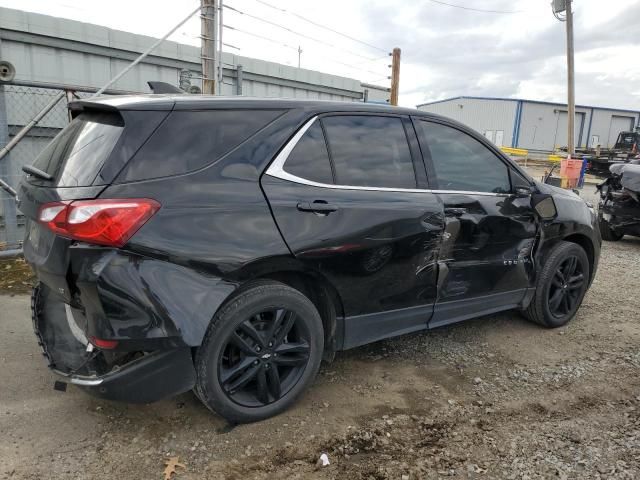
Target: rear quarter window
(190, 140)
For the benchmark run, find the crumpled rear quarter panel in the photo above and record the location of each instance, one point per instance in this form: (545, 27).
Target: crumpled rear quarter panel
(130, 296)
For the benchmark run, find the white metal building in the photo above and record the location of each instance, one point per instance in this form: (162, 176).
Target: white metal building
(534, 125)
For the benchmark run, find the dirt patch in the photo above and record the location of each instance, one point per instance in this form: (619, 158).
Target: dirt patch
(16, 276)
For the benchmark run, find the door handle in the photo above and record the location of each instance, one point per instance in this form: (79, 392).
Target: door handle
(455, 211)
(317, 206)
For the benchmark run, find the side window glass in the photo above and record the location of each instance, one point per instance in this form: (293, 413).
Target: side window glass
(370, 151)
(518, 180)
(461, 162)
(309, 159)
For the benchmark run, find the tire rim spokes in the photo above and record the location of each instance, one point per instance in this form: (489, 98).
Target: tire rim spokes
(566, 287)
(264, 357)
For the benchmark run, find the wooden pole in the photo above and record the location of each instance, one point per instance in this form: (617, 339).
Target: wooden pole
(395, 76)
(571, 100)
(208, 29)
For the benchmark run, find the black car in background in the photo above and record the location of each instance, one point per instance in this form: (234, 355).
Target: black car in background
(229, 245)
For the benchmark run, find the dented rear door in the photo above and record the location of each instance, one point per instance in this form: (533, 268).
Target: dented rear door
(376, 243)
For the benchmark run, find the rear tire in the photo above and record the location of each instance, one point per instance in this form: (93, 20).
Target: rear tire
(261, 351)
(560, 287)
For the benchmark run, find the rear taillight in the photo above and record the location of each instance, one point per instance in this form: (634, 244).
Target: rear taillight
(103, 222)
(104, 344)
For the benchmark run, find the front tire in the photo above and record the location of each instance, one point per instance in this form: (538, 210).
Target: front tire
(561, 286)
(261, 351)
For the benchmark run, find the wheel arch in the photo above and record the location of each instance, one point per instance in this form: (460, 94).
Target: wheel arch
(587, 245)
(324, 296)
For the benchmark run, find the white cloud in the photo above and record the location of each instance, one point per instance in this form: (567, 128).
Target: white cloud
(446, 51)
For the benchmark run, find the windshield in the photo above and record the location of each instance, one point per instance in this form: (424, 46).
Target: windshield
(76, 155)
(627, 139)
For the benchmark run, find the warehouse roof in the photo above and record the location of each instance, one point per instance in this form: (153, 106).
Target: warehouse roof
(524, 100)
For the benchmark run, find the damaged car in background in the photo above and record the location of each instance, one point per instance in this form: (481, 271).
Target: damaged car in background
(619, 206)
(229, 245)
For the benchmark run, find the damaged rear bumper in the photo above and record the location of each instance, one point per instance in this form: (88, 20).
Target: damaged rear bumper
(619, 206)
(621, 216)
(148, 379)
(133, 377)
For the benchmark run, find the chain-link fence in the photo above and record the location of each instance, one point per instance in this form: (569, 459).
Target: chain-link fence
(19, 105)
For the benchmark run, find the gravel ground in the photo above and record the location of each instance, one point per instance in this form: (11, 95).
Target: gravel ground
(494, 397)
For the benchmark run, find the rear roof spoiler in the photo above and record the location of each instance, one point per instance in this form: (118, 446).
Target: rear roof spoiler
(163, 87)
(115, 103)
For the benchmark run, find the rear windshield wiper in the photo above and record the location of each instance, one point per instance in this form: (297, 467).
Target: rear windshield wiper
(36, 172)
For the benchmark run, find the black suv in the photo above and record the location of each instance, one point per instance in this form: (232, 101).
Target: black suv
(228, 245)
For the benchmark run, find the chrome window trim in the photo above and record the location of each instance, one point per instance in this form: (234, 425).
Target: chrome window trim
(276, 169)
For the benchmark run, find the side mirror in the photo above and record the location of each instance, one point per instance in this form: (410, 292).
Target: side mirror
(544, 205)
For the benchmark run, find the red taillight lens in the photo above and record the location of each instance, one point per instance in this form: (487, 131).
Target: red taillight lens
(104, 344)
(104, 222)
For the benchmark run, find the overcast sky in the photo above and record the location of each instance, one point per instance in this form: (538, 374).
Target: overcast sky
(446, 51)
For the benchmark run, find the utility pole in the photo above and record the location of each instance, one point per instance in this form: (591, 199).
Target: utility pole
(558, 7)
(299, 54)
(571, 148)
(220, 62)
(208, 34)
(395, 76)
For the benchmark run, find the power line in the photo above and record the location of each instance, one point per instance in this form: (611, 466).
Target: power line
(321, 26)
(185, 34)
(260, 37)
(331, 59)
(439, 2)
(372, 60)
(378, 79)
(308, 37)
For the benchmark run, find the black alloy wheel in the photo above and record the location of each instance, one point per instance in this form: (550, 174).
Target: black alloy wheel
(566, 287)
(262, 349)
(561, 285)
(264, 357)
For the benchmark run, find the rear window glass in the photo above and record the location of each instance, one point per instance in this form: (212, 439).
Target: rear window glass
(189, 140)
(76, 155)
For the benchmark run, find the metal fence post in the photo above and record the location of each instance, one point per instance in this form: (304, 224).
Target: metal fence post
(9, 210)
(70, 98)
(239, 80)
